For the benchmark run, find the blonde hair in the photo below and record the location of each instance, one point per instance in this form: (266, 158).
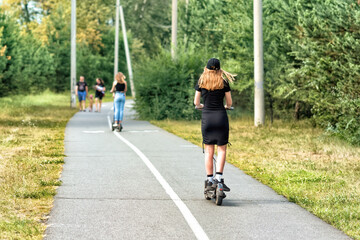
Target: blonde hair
(120, 77)
(214, 79)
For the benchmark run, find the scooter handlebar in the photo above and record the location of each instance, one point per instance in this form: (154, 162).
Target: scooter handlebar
(201, 108)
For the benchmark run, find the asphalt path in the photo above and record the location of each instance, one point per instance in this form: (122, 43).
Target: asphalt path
(145, 183)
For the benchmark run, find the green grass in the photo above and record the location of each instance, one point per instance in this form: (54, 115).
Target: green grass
(31, 158)
(318, 172)
(107, 98)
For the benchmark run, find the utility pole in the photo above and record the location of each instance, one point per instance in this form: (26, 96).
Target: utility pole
(259, 104)
(174, 29)
(116, 56)
(73, 54)
(127, 52)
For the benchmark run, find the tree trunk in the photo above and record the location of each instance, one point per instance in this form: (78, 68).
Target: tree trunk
(271, 101)
(297, 111)
(27, 14)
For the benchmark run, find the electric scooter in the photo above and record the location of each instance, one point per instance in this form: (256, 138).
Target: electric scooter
(119, 127)
(218, 193)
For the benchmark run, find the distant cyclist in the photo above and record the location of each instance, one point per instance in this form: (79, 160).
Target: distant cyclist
(119, 89)
(213, 87)
(99, 94)
(81, 91)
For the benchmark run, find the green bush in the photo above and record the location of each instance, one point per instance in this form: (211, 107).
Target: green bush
(165, 88)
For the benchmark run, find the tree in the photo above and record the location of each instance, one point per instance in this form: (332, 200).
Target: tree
(10, 63)
(24, 10)
(149, 21)
(27, 64)
(326, 71)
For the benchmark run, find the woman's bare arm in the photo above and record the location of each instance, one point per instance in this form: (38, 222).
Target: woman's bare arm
(112, 89)
(228, 99)
(197, 100)
(125, 87)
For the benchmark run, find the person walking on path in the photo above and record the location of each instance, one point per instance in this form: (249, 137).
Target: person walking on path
(99, 94)
(81, 91)
(119, 89)
(213, 87)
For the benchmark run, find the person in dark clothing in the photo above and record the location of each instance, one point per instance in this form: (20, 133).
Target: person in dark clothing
(213, 87)
(81, 91)
(119, 89)
(99, 94)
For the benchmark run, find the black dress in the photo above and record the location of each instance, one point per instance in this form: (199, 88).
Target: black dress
(214, 121)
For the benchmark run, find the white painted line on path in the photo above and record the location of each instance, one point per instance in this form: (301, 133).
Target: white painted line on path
(93, 131)
(142, 131)
(109, 121)
(190, 219)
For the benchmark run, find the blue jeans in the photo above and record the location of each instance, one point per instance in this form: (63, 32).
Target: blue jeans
(119, 103)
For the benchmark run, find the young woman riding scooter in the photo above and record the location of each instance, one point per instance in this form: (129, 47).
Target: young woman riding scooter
(119, 89)
(213, 87)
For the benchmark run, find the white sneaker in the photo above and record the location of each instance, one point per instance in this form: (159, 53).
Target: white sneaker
(115, 125)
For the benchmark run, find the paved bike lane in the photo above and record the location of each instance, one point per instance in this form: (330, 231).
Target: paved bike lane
(108, 191)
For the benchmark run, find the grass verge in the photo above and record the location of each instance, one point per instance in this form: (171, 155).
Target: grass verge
(318, 172)
(107, 98)
(31, 158)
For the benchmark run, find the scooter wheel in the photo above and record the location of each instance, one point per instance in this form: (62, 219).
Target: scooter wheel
(219, 196)
(218, 200)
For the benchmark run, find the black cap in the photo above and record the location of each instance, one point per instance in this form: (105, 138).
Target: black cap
(213, 64)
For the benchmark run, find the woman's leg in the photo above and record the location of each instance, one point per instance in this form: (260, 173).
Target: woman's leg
(96, 104)
(100, 101)
(209, 154)
(220, 162)
(221, 157)
(122, 105)
(117, 108)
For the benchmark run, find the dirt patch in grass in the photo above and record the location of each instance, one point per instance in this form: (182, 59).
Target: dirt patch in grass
(316, 171)
(31, 158)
